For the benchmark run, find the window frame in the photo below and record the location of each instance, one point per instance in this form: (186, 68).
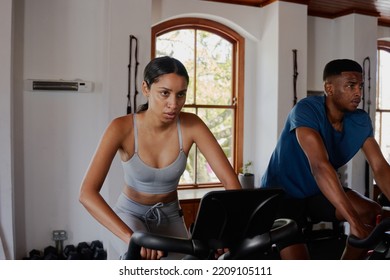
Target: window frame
(238, 43)
(382, 46)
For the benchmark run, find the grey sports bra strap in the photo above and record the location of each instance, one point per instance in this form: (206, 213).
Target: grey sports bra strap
(135, 135)
(179, 132)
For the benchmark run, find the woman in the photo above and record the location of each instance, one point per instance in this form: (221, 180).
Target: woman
(153, 145)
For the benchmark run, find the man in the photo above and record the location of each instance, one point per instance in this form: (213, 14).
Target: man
(322, 133)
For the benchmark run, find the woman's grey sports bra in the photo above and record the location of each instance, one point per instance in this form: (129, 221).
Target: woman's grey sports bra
(144, 178)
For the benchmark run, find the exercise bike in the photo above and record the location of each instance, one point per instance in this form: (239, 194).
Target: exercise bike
(241, 220)
(378, 241)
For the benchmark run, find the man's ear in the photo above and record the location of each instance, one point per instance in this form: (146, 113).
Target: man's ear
(328, 87)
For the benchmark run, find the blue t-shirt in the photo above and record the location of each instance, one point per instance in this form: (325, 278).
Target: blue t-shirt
(289, 167)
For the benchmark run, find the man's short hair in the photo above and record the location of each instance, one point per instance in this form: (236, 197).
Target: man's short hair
(335, 67)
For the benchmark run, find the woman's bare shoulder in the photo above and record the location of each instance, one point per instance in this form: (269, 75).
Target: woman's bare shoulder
(193, 126)
(189, 119)
(121, 125)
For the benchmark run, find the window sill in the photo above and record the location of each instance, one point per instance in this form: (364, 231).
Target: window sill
(198, 193)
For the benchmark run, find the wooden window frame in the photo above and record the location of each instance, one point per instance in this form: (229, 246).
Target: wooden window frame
(238, 43)
(384, 46)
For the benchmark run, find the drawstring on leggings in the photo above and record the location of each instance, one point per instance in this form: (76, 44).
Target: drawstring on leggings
(153, 214)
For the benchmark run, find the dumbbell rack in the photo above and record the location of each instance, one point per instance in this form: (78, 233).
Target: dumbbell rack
(59, 236)
(84, 250)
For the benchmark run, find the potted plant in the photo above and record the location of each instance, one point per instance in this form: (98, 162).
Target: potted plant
(246, 177)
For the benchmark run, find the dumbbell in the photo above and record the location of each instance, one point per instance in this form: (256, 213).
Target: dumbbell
(50, 253)
(85, 251)
(35, 254)
(96, 244)
(70, 253)
(98, 250)
(100, 254)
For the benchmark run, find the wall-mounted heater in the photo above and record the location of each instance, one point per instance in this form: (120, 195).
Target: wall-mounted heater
(58, 85)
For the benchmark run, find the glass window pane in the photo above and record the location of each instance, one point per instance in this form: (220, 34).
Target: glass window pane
(385, 136)
(213, 69)
(204, 174)
(209, 60)
(189, 110)
(180, 45)
(378, 126)
(188, 176)
(220, 122)
(384, 82)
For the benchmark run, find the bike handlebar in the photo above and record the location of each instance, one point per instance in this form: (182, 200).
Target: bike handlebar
(162, 243)
(282, 229)
(374, 238)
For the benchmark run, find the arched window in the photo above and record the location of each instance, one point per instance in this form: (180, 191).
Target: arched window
(214, 57)
(382, 118)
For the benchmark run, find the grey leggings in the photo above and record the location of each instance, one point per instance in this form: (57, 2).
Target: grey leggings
(161, 218)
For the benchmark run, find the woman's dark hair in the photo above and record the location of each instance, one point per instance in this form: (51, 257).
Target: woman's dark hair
(160, 66)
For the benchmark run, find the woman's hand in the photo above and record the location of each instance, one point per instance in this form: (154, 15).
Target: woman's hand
(220, 252)
(149, 254)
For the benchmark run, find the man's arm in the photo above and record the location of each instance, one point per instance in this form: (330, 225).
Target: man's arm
(326, 177)
(379, 165)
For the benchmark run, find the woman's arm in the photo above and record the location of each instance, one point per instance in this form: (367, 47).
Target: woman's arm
(92, 183)
(212, 151)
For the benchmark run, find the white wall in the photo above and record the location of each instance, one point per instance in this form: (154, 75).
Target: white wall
(6, 169)
(320, 49)
(59, 130)
(86, 40)
(283, 29)
(383, 33)
(125, 18)
(57, 133)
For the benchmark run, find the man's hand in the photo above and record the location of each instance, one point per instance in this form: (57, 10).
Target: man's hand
(361, 231)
